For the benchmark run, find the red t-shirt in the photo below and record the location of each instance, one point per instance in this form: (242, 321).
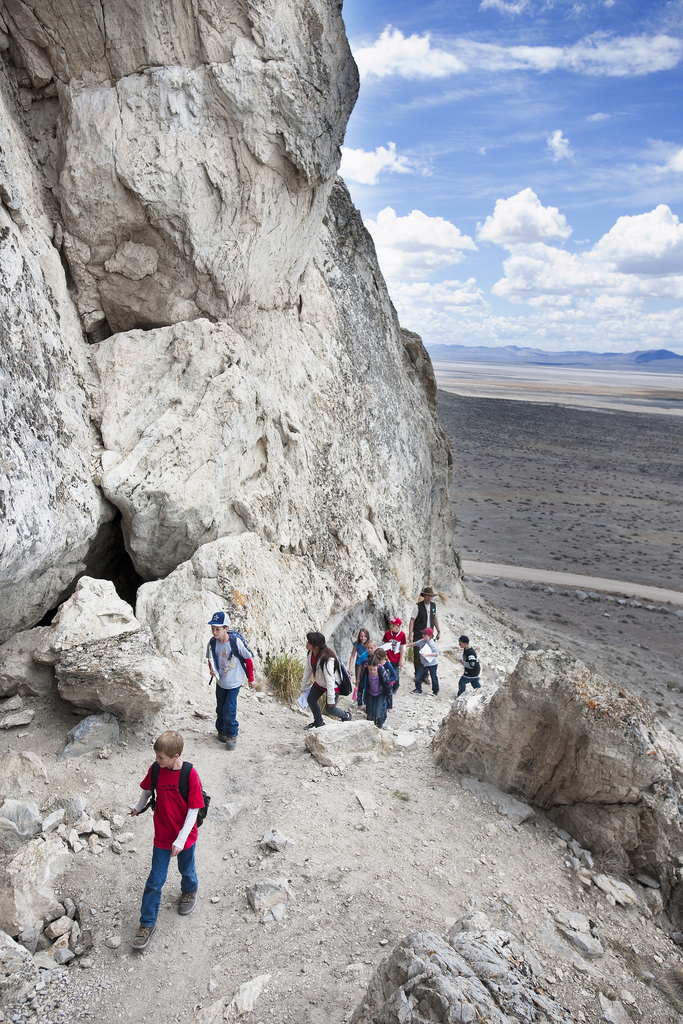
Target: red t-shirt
(395, 639)
(171, 810)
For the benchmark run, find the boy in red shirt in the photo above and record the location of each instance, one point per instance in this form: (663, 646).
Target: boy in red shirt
(175, 832)
(393, 642)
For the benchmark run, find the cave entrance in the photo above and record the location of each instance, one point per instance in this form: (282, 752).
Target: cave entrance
(107, 559)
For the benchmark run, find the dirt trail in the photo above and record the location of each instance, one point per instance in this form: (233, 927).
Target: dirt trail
(570, 579)
(429, 852)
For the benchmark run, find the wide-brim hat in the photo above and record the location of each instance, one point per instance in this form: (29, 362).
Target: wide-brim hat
(427, 592)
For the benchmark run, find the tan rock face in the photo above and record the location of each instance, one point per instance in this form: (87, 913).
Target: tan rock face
(124, 675)
(19, 672)
(589, 753)
(94, 611)
(27, 889)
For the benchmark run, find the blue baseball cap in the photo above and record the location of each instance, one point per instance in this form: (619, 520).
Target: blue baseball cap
(219, 619)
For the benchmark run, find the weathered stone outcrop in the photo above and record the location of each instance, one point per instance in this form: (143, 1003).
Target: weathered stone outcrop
(93, 612)
(19, 672)
(27, 883)
(478, 974)
(257, 362)
(124, 675)
(592, 755)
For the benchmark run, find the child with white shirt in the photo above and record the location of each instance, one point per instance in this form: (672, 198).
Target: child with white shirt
(429, 657)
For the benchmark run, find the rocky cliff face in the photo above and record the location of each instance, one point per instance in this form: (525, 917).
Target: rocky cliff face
(198, 333)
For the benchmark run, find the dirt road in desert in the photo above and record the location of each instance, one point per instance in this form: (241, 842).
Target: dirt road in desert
(569, 579)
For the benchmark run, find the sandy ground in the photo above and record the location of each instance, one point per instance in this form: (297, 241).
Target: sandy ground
(608, 390)
(430, 852)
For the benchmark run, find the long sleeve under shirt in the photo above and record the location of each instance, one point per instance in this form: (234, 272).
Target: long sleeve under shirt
(182, 836)
(324, 677)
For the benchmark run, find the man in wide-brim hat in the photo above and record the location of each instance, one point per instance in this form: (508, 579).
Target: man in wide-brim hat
(423, 615)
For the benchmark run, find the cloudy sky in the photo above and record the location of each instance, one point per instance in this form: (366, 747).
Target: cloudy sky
(519, 164)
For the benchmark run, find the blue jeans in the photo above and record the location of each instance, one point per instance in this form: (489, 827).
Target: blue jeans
(376, 709)
(151, 897)
(421, 674)
(226, 711)
(464, 680)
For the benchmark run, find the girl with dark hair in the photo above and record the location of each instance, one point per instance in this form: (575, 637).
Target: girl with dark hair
(359, 653)
(375, 682)
(321, 664)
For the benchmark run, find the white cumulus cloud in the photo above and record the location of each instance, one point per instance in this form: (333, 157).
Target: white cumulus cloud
(505, 6)
(521, 220)
(416, 245)
(415, 56)
(594, 118)
(641, 257)
(559, 146)
(365, 167)
(675, 162)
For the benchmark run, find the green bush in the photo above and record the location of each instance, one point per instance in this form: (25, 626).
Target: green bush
(285, 672)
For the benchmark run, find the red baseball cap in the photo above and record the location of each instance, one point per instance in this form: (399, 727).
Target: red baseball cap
(396, 622)
(428, 631)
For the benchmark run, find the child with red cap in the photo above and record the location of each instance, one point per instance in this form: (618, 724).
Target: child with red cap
(393, 642)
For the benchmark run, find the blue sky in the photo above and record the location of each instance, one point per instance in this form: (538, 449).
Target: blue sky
(520, 166)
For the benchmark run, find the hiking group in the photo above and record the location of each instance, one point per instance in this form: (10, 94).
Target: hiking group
(172, 787)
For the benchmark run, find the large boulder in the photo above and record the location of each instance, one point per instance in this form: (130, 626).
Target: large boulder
(19, 821)
(18, 973)
(94, 611)
(589, 753)
(124, 675)
(92, 733)
(21, 774)
(27, 883)
(19, 672)
(475, 975)
(338, 745)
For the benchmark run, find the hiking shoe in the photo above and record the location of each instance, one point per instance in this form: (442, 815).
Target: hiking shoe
(230, 744)
(222, 738)
(417, 691)
(142, 937)
(187, 902)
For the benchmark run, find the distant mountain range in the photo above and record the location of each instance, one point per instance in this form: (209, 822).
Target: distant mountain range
(659, 360)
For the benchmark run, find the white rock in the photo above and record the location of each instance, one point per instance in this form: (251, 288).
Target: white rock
(124, 675)
(19, 673)
(27, 882)
(133, 261)
(619, 891)
(96, 732)
(613, 1011)
(19, 774)
(13, 704)
(62, 926)
(263, 896)
(17, 718)
(366, 800)
(18, 973)
(102, 828)
(337, 744)
(54, 819)
(244, 998)
(94, 611)
(509, 806)
(19, 822)
(275, 840)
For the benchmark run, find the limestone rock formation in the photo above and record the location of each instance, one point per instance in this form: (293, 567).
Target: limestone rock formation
(19, 672)
(176, 185)
(27, 883)
(592, 755)
(93, 612)
(18, 973)
(478, 974)
(124, 675)
(19, 821)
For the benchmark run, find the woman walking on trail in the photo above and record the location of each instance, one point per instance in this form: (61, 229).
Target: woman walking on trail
(319, 673)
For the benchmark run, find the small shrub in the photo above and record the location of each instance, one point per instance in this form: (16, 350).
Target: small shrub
(285, 672)
(402, 795)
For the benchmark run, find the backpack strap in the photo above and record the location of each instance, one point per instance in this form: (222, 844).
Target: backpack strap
(156, 768)
(184, 781)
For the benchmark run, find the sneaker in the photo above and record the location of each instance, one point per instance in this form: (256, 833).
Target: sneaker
(222, 738)
(230, 744)
(417, 691)
(187, 902)
(142, 937)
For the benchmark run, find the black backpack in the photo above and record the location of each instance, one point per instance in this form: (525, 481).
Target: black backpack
(344, 680)
(183, 789)
(233, 635)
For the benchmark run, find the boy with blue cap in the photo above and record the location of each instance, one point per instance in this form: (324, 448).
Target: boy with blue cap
(230, 661)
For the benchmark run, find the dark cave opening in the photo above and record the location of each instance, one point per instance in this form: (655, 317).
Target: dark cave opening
(107, 559)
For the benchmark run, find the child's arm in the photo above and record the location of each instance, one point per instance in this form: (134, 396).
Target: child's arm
(181, 838)
(352, 659)
(141, 804)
